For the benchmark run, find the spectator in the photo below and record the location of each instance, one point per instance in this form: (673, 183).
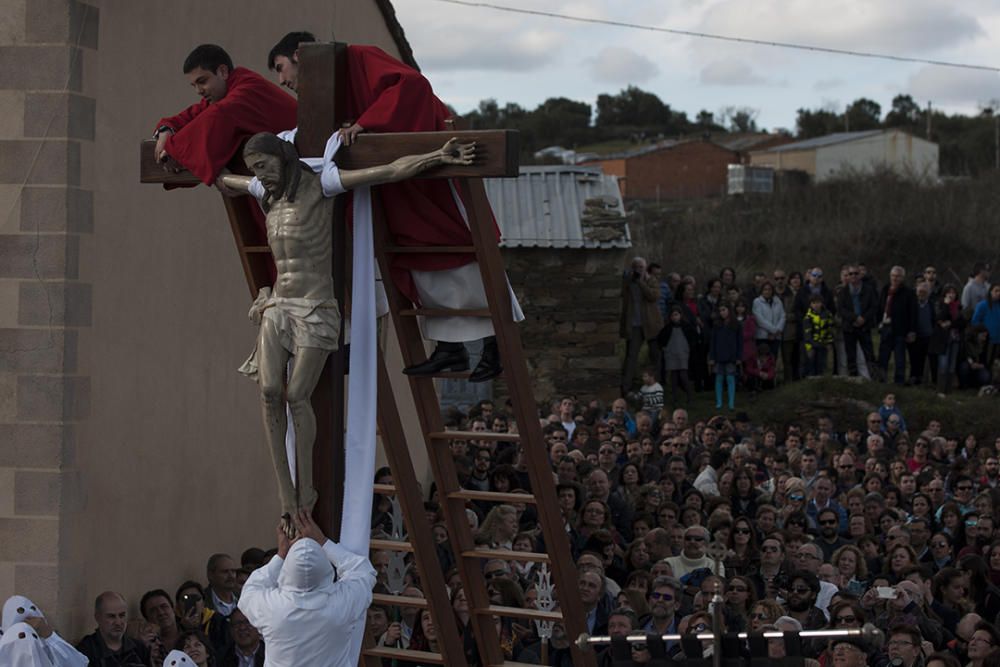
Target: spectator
(897, 306)
(640, 319)
(976, 288)
(790, 361)
(724, 355)
(770, 317)
(21, 646)
(247, 649)
(197, 647)
(987, 314)
(220, 596)
(19, 609)
(677, 339)
(108, 645)
(817, 335)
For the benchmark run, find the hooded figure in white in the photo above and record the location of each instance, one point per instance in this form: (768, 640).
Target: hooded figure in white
(18, 609)
(21, 646)
(178, 659)
(309, 605)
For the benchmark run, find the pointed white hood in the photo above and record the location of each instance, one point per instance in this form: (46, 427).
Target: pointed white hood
(20, 646)
(16, 609)
(307, 575)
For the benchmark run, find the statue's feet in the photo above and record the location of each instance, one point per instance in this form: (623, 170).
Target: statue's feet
(288, 526)
(308, 499)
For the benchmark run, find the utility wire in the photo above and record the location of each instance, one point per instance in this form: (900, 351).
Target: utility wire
(723, 38)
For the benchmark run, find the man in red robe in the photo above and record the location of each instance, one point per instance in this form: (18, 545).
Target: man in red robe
(385, 95)
(236, 104)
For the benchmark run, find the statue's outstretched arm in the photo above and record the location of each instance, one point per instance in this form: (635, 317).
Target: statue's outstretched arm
(237, 182)
(409, 166)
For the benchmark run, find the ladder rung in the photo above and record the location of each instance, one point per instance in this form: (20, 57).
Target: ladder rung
(257, 249)
(492, 496)
(451, 375)
(399, 600)
(506, 554)
(416, 249)
(385, 489)
(520, 612)
(416, 657)
(390, 545)
(473, 435)
(445, 312)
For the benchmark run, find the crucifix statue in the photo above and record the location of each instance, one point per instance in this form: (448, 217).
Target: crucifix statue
(299, 316)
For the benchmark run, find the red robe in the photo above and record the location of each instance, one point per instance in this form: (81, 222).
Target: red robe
(207, 136)
(387, 96)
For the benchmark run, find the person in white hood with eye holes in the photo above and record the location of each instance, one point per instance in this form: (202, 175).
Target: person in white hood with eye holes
(309, 600)
(19, 609)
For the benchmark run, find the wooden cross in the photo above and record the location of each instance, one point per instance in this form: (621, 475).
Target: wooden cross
(321, 93)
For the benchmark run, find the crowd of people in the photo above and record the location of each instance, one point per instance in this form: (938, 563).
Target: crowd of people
(790, 325)
(883, 521)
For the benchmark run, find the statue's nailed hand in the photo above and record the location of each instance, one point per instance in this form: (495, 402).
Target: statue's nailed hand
(454, 152)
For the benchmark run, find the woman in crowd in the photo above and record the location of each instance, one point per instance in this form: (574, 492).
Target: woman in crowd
(982, 644)
(197, 647)
(744, 556)
(764, 612)
(678, 339)
(770, 317)
(951, 600)
(499, 527)
(985, 596)
(853, 568)
(740, 596)
(594, 517)
(629, 482)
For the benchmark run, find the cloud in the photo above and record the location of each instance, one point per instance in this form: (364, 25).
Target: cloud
(923, 26)
(620, 65)
(482, 49)
(824, 85)
(730, 72)
(946, 85)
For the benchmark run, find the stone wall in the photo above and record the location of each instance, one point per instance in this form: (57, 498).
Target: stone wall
(46, 212)
(571, 300)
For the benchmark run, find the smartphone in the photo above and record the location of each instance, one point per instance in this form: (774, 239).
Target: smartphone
(188, 602)
(887, 592)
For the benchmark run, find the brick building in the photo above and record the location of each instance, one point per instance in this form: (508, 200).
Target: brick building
(672, 169)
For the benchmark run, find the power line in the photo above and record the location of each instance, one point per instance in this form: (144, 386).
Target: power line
(723, 38)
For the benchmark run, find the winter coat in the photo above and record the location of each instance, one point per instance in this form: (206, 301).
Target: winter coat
(770, 317)
(649, 291)
(942, 337)
(869, 308)
(903, 312)
(725, 343)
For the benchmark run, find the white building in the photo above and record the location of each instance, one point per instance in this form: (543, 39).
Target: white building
(825, 157)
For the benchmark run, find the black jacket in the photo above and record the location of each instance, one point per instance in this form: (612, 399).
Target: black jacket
(803, 296)
(230, 659)
(869, 308)
(131, 654)
(903, 311)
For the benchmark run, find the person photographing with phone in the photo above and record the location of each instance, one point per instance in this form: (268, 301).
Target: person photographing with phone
(193, 615)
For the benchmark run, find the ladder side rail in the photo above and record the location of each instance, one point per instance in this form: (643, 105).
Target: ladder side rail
(564, 572)
(443, 468)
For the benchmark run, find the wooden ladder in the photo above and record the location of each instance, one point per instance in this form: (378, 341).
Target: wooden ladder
(454, 499)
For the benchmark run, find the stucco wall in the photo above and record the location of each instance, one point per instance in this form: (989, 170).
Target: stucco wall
(151, 456)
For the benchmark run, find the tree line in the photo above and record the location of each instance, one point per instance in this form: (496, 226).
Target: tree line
(967, 143)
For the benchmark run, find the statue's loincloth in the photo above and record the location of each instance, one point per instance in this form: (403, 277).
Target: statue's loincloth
(299, 323)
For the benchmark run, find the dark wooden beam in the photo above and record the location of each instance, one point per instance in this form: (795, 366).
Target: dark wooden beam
(496, 154)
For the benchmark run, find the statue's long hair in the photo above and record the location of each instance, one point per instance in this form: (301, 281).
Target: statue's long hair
(291, 168)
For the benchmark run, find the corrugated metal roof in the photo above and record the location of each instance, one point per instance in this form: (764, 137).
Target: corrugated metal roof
(826, 140)
(559, 206)
(643, 150)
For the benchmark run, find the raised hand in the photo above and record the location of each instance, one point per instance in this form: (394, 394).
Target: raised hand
(307, 527)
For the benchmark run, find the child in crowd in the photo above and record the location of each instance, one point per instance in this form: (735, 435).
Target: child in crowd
(652, 392)
(888, 408)
(676, 339)
(760, 374)
(724, 354)
(817, 335)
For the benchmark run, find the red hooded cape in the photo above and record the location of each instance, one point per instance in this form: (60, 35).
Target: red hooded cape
(387, 96)
(207, 136)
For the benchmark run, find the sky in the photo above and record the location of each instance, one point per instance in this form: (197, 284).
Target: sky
(474, 53)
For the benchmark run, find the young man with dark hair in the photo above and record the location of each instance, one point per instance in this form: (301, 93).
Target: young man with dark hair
(236, 104)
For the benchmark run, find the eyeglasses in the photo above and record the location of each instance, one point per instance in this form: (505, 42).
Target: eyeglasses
(742, 531)
(738, 589)
(796, 496)
(816, 274)
(845, 466)
(964, 487)
(939, 545)
(666, 597)
(806, 554)
(494, 573)
(899, 643)
(800, 590)
(847, 619)
(874, 421)
(988, 642)
(832, 522)
(771, 549)
(760, 617)
(694, 538)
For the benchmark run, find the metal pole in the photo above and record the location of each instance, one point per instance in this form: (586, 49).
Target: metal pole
(869, 632)
(996, 135)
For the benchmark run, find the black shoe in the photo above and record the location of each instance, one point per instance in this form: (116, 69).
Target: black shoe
(489, 363)
(446, 357)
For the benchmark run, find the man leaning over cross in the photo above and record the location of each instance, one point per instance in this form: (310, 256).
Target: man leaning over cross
(385, 95)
